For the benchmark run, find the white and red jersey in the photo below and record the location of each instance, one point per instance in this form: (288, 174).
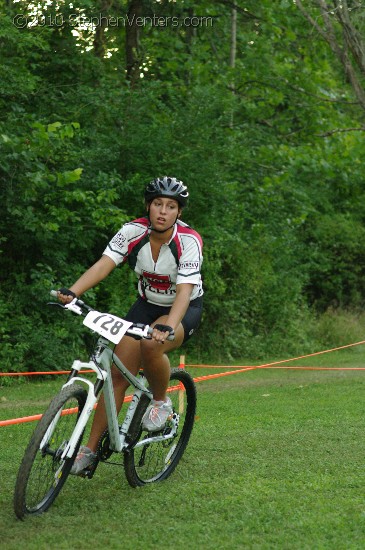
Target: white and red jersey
(179, 260)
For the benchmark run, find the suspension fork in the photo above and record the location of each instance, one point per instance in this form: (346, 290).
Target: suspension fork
(93, 392)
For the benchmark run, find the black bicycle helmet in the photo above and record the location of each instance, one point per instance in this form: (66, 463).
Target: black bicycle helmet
(167, 187)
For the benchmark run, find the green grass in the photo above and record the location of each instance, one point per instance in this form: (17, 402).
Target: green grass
(276, 460)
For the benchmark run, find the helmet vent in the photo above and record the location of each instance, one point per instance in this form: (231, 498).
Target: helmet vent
(167, 187)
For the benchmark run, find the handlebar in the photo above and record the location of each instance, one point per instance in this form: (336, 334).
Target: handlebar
(77, 306)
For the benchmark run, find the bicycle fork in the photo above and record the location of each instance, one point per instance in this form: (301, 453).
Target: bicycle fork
(117, 434)
(93, 392)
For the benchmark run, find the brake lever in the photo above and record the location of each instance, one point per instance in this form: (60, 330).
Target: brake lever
(71, 306)
(56, 304)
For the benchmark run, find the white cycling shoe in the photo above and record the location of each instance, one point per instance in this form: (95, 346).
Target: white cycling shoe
(85, 458)
(156, 415)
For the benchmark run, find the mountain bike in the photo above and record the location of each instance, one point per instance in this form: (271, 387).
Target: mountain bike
(147, 456)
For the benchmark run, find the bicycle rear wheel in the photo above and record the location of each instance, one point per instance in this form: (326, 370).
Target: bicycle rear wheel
(42, 473)
(156, 461)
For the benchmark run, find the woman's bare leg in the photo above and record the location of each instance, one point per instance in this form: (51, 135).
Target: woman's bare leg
(128, 351)
(156, 364)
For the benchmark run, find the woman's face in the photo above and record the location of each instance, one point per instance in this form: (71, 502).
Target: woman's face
(163, 212)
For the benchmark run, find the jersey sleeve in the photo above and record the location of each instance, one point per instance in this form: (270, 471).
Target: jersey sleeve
(190, 262)
(117, 248)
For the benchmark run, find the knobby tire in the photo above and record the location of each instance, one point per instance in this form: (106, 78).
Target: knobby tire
(42, 474)
(156, 461)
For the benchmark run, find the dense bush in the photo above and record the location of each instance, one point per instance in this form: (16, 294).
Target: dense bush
(277, 195)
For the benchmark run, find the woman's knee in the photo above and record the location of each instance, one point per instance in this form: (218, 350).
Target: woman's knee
(129, 353)
(151, 348)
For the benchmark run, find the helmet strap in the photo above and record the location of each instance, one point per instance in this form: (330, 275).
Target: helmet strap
(161, 230)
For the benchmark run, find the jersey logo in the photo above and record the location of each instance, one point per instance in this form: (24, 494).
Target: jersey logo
(119, 239)
(189, 265)
(158, 282)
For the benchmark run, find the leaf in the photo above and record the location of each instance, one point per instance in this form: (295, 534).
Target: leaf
(65, 178)
(53, 127)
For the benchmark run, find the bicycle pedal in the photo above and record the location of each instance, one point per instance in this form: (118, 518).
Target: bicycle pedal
(88, 472)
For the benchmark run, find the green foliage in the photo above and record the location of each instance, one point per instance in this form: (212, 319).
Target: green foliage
(336, 267)
(338, 328)
(277, 186)
(42, 206)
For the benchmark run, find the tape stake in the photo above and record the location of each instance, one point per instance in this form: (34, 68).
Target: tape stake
(181, 387)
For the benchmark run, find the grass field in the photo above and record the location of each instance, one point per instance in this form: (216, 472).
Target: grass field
(276, 460)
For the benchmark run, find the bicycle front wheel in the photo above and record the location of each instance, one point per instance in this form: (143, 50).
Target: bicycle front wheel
(42, 473)
(155, 461)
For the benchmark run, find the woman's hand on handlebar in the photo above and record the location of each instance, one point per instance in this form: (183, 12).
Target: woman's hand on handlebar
(65, 295)
(162, 332)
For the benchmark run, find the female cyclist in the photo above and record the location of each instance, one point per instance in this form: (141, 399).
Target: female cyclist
(166, 255)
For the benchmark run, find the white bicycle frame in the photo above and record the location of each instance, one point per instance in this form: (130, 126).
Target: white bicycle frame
(101, 365)
(102, 369)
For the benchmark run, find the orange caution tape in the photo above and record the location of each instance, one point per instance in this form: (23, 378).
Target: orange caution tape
(267, 365)
(24, 419)
(39, 373)
(238, 369)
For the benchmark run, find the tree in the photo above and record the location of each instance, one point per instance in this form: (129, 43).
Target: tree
(271, 177)
(339, 27)
(132, 40)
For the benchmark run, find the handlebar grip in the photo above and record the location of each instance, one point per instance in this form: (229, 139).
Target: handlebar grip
(171, 337)
(75, 301)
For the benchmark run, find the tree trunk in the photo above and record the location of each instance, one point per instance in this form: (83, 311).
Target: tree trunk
(352, 41)
(99, 38)
(132, 44)
(232, 57)
(233, 52)
(353, 38)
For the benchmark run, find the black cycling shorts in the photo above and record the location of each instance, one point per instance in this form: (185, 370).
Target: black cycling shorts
(146, 313)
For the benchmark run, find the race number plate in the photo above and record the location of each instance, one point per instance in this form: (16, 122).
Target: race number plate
(110, 326)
